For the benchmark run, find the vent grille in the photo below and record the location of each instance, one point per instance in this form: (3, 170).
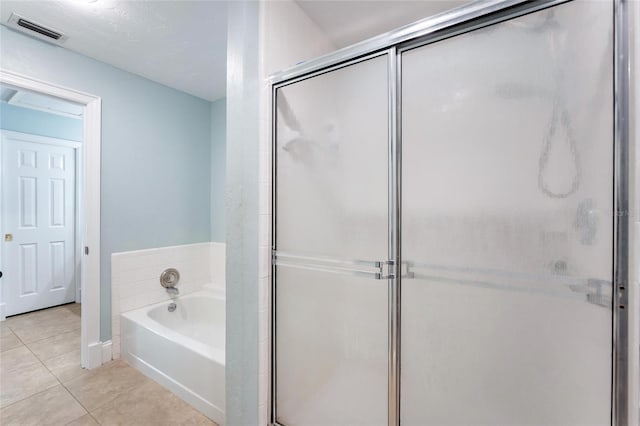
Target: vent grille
(35, 29)
(39, 29)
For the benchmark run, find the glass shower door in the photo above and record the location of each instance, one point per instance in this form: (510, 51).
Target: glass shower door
(331, 201)
(507, 230)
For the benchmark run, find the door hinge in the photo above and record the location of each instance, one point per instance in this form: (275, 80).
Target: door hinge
(86, 251)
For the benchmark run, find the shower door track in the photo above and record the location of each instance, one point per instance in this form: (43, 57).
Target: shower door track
(436, 28)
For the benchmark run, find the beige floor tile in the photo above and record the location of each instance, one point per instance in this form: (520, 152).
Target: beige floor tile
(74, 308)
(86, 420)
(23, 382)
(17, 359)
(56, 345)
(66, 367)
(9, 341)
(47, 328)
(104, 384)
(54, 406)
(149, 404)
(4, 329)
(37, 318)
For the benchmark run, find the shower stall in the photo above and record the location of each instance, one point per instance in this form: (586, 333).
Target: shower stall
(449, 228)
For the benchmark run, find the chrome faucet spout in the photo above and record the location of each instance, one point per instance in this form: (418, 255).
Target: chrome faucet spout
(173, 291)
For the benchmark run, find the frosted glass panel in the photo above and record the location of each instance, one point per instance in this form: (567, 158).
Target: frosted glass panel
(332, 349)
(507, 226)
(331, 202)
(332, 139)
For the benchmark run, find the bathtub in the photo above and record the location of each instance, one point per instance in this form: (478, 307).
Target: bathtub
(183, 350)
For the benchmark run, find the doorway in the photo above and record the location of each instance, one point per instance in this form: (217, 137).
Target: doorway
(39, 186)
(86, 239)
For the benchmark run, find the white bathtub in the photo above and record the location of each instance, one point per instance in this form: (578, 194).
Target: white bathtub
(183, 350)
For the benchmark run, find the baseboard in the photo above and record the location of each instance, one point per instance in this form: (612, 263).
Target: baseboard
(99, 353)
(107, 348)
(95, 355)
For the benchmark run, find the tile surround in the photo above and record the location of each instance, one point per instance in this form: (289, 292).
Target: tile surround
(264, 268)
(135, 277)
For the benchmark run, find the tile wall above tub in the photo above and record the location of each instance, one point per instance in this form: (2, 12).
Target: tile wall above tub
(135, 277)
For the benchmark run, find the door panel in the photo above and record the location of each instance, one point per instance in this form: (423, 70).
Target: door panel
(332, 144)
(331, 202)
(332, 349)
(38, 205)
(507, 181)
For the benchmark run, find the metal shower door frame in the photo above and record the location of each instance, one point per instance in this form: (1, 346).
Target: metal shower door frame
(448, 24)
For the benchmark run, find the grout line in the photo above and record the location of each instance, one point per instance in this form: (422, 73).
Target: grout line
(27, 397)
(43, 390)
(52, 373)
(78, 401)
(49, 337)
(73, 396)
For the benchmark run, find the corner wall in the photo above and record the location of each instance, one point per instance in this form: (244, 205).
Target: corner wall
(288, 37)
(263, 37)
(241, 217)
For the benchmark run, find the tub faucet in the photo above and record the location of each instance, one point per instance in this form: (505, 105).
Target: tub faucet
(173, 291)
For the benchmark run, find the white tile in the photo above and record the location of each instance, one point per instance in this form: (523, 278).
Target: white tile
(115, 348)
(263, 324)
(264, 230)
(217, 264)
(128, 304)
(144, 273)
(263, 358)
(263, 415)
(262, 398)
(264, 166)
(264, 198)
(263, 293)
(264, 261)
(138, 272)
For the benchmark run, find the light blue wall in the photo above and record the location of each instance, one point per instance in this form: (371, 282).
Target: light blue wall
(41, 123)
(156, 150)
(243, 105)
(218, 168)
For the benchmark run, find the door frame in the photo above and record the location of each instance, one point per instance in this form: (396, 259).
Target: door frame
(77, 207)
(88, 199)
(447, 24)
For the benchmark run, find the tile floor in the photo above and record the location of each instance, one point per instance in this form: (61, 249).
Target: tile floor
(42, 383)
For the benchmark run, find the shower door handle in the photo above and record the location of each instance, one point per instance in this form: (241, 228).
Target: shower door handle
(374, 269)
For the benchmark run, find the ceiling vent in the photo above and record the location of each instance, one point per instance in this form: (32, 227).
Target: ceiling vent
(35, 29)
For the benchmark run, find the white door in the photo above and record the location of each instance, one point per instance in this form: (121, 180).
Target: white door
(38, 223)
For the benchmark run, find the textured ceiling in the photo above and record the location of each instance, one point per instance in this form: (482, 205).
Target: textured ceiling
(181, 44)
(349, 21)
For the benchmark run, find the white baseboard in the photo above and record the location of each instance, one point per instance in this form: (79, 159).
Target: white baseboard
(95, 355)
(99, 353)
(107, 351)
